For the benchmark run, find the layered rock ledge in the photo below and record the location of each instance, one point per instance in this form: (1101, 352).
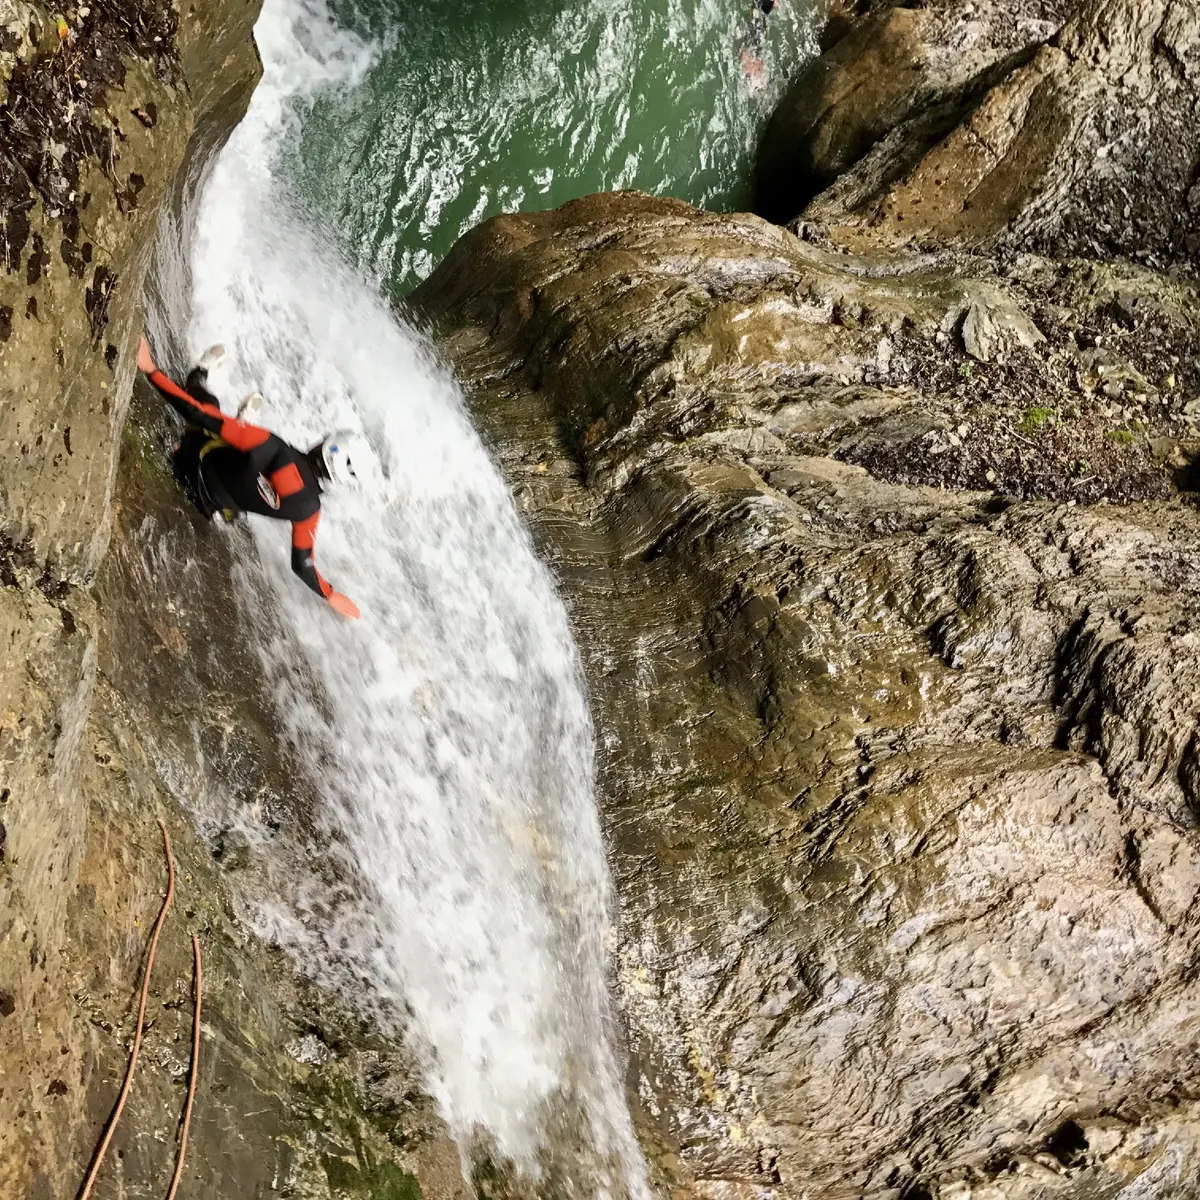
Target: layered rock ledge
(1066, 126)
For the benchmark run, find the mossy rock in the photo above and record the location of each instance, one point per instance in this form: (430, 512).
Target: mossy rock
(379, 1181)
(1039, 418)
(140, 449)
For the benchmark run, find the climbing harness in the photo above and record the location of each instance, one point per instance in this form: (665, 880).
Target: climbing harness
(226, 511)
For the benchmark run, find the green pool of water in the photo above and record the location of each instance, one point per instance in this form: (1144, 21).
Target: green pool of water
(483, 106)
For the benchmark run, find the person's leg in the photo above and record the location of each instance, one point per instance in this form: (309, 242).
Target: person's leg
(185, 463)
(197, 386)
(197, 380)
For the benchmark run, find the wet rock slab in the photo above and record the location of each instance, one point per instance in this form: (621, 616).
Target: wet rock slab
(896, 764)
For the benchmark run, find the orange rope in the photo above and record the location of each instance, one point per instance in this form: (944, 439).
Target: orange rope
(141, 1020)
(197, 988)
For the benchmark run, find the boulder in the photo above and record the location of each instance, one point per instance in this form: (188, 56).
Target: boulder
(898, 779)
(1088, 149)
(988, 330)
(910, 72)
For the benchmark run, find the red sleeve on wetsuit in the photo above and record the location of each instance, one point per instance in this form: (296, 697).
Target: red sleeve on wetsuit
(241, 435)
(238, 434)
(304, 535)
(188, 407)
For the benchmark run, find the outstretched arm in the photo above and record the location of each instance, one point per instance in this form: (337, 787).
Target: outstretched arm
(304, 535)
(239, 434)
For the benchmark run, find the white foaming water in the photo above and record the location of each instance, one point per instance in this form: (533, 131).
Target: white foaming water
(459, 887)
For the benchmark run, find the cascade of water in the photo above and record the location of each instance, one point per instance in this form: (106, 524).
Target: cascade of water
(461, 887)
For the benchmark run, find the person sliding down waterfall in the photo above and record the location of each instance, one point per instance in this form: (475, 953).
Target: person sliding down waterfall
(756, 36)
(230, 467)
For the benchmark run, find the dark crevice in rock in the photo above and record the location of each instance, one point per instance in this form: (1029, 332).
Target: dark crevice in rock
(1068, 1144)
(14, 555)
(1133, 867)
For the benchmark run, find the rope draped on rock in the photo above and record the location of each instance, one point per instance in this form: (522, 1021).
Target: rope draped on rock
(197, 989)
(135, 1051)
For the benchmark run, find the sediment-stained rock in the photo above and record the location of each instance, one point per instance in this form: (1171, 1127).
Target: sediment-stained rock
(899, 779)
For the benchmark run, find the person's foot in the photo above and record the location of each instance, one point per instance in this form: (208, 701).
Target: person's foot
(212, 358)
(252, 403)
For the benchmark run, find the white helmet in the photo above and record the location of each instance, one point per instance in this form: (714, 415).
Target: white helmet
(341, 451)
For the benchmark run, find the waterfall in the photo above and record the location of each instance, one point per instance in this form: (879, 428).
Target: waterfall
(453, 883)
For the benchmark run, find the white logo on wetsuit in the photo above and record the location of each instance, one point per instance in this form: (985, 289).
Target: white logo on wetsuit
(267, 492)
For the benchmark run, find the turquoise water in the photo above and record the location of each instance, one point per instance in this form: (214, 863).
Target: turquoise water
(484, 106)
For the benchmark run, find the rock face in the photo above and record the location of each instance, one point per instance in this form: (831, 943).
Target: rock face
(121, 98)
(95, 122)
(886, 593)
(102, 119)
(916, 68)
(898, 780)
(884, 577)
(1089, 147)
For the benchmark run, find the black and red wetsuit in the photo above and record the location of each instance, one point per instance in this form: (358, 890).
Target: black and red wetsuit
(231, 465)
